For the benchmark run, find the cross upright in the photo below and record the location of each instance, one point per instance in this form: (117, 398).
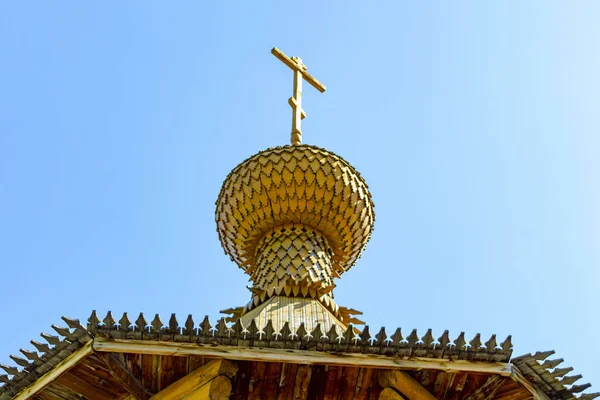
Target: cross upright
(298, 114)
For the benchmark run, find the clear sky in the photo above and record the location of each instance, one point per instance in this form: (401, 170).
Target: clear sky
(474, 123)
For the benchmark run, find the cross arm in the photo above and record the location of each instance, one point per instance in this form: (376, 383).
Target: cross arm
(290, 63)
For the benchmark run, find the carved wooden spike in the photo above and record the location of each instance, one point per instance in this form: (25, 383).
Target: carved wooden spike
(476, 342)
(41, 347)
(579, 388)
(252, 330)
(72, 323)
(269, 331)
(353, 311)
(238, 329)
(156, 324)
(222, 329)
(397, 337)
(206, 326)
(10, 370)
(348, 335)
(589, 396)
(173, 325)
(53, 340)
(62, 331)
(491, 344)
(460, 342)
(558, 372)
(365, 336)
(507, 344)
(381, 337)
(549, 364)
(31, 355)
(569, 380)
(332, 334)
(124, 323)
(93, 322)
(444, 339)
(317, 333)
(141, 323)
(19, 360)
(412, 338)
(227, 311)
(189, 325)
(286, 332)
(542, 355)
(301, 332)
(109, 321)
(428, 338)
(4, 379)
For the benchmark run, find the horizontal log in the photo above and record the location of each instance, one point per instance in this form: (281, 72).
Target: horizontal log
(405, 384)
(390, 394)
(296, 356)
(197, 379)
(217, 389)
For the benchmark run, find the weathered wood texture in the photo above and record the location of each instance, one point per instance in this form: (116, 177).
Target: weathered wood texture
(219, 388)
(297, 381)
(390, 394)
(49, 373)
(488, 390)
(413, 345)
(117, 368)
(49, 366)
(93, 379)
(544, 372)
(296, 356)
(73, 337)
(197, 379)
(405, 384)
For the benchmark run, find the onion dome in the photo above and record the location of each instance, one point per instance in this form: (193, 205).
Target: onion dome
(294, 218)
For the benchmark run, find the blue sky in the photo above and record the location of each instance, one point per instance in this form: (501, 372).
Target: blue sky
(474, 123)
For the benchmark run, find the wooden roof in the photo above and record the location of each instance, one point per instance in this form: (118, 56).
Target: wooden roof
(116, 360)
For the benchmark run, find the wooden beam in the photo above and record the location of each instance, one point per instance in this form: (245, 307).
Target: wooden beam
(488, 389)
(55, 372)
(536, 392)
(405, 384)
(297, 356)
(514, 394)
(125, 377)
(389, 394)
(302, 381)
(257, 378)
(200, 377)
(218, 388)
(286, 381)
(82, 387)
(363, 383)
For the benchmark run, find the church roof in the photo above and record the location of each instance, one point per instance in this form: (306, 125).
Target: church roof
(294, 218)
(364, 349)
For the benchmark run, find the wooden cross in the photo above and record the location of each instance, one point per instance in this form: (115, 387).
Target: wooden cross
(298, 114)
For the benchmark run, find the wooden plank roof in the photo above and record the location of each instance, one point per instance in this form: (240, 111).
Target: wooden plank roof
(75, 340)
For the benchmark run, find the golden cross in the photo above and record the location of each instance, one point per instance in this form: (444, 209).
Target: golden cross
(298, 114)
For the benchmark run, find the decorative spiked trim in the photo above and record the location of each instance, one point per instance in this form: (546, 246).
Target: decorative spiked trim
(543, 373)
